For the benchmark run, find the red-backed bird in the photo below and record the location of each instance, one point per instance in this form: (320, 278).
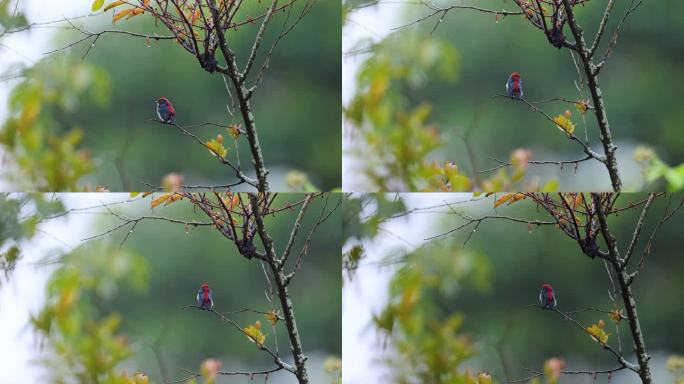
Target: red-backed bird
(514, 86)
(547, 297)
(205, 298)
(165, 111)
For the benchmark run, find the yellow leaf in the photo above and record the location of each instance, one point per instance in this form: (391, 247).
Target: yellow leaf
(272, 316)
(160, 199)
(503, 199)
(597, 332)
(114, 5)
(510, 198)
(616, 315)
(582, 106)
(134, 194)
(234, 131)
(564, 124)
(97, 4)
(216, 148)
(117, 16)
(254, 334)
(135, 12)
(516, 197)
(173, 198)
(146, 3)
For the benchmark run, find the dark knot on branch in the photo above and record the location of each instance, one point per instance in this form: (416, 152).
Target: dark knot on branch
(246, 248)
(208, 62)
(556, 37)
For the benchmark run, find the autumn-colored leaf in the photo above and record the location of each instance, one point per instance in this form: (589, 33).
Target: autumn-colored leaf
(510, 198)
(135, 12)
(195, 15)
(254, 333)
(216, 148)
(173, 198)
(272, 316)
(113, 5)
(516, 197)
(160, 199)
(616, 315)
(97, 4)
(503, 199)
(119, 15)
(598, 333)
(234, 131)
(564, 124)
(582, 106)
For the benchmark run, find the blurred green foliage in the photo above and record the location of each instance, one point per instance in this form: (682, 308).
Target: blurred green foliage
(296, 106)
(19, 218)
(675, 364)
(657, 173)
(84, 339)
(362, 216)
(429, 341)
(42, 132)
(465, 114)
(8, 18)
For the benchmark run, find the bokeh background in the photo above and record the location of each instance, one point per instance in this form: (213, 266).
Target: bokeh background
(488, 284)
(145, 284)
(468, 59)
(110, 94)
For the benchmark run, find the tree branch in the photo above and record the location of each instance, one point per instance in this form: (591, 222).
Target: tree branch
(591, 74)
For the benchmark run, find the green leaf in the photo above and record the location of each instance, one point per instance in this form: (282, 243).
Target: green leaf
(216, 148)
(551, 186)
(97, 4)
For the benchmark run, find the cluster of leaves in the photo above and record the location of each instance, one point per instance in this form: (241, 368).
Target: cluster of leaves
(656, 170)
(363, 215)
(9, 19)
(127, 13)
(427, 339)
(84, 337)
(19, 217)
(39, 135)
(397, 137)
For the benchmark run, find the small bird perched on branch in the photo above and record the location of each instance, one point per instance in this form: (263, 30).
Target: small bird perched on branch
(205, 298)
(514, 86)
(165, 111)
(547, 297)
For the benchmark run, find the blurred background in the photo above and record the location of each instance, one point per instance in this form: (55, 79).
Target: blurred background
(71, 122)
(415, 308)
(412, 97)
(70, 307)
